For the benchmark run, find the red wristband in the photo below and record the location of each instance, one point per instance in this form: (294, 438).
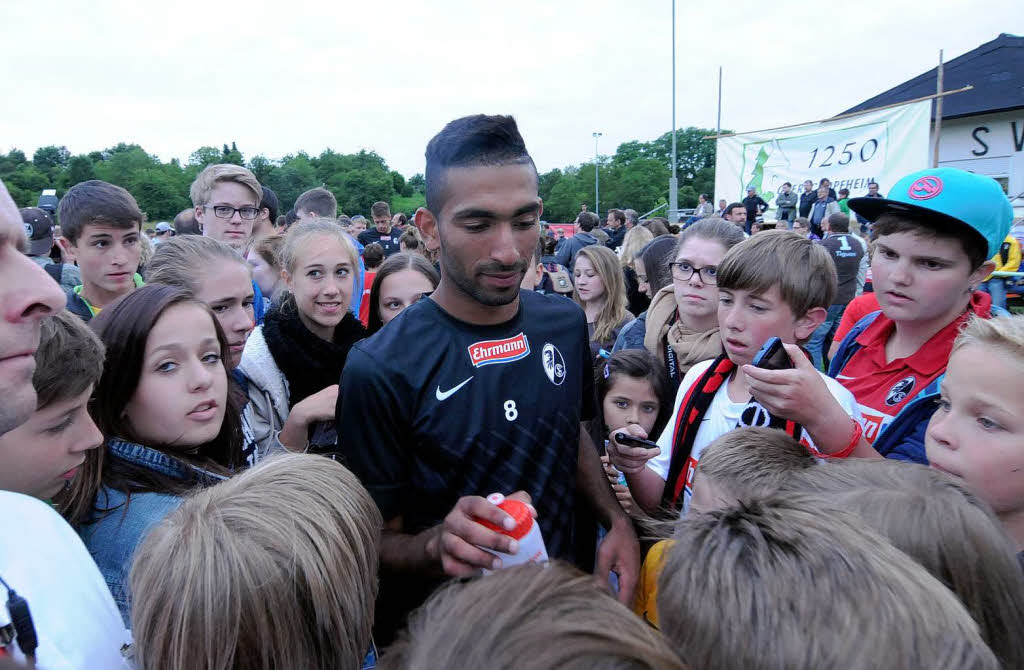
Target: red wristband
(858, 432)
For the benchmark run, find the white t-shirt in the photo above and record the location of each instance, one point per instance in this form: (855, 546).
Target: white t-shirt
(43, 559)
(722, 416)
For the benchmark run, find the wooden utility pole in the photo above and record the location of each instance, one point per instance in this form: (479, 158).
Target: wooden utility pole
(938, 113)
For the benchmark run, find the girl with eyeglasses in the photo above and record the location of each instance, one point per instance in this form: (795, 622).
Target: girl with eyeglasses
(682, 321)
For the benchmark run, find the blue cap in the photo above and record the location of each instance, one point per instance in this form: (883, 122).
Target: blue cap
(947, 196)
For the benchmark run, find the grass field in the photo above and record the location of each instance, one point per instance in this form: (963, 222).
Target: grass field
(408, 205)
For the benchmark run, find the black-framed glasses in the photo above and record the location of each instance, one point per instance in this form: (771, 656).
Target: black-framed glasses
(226, 211)
(683, 271)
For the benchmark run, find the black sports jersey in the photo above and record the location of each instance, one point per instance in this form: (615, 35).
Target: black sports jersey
(847, 252)
(432, 409)
(389, 241)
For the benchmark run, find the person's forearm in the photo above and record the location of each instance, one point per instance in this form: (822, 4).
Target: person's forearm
(833, 434)
(400, 552)
(295, 432)
(593, 484)
(646, 487)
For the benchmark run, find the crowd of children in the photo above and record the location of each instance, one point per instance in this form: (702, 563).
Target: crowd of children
(250, 451)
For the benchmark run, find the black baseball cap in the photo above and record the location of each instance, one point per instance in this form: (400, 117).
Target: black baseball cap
(39, 229)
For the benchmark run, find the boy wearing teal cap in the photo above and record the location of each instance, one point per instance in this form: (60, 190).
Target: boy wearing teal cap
(933, 238)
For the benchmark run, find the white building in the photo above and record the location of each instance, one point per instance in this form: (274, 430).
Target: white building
(982, 129)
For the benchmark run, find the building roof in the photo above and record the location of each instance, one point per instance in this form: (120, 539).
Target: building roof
(995, 70)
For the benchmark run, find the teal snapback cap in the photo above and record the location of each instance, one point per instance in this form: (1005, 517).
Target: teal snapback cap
(948, 196)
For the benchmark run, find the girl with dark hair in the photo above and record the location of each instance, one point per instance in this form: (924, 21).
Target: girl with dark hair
(402, 279)
(170, 416)
(632, 388)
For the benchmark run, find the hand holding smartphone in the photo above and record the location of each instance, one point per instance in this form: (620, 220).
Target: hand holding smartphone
(631, 441)
(629, 454)
(773, 356)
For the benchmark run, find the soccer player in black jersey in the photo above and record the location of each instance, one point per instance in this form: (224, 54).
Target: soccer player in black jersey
(479, 389)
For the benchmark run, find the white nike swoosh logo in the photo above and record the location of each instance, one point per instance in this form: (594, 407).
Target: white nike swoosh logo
(844, 377)
(444, 395)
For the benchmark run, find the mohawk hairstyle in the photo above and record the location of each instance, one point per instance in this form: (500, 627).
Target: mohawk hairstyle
(472, 141)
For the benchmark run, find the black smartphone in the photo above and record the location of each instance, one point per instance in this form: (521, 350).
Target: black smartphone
(630, 441)
(773, 356)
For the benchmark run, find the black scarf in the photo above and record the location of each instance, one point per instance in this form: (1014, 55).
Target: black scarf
(687, 422)
(309, 363)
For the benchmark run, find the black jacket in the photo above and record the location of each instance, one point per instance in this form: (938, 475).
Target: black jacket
(806, 202)
(615, 237)
(754, 205)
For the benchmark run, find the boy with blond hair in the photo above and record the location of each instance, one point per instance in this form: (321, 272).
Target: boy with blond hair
(546, 616)
(977, 432)
(101, 226)
(227, 202)
(745, 463)
(781, 583)
(742, 464)
(776, 284)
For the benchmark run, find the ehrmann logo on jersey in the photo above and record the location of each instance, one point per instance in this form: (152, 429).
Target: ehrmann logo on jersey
(490, 352)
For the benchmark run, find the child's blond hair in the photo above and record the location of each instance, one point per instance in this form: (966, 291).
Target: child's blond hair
(633, 243)
(207, 180)
(750, 462)
(1004, 333)
(273, 568)
(958, 539)
(939, 523)
(785, 582)
(544, 617)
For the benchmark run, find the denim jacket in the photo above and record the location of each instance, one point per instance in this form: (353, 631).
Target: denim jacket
(118, 524)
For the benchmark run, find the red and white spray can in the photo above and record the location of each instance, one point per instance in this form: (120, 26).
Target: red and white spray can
(526, 532)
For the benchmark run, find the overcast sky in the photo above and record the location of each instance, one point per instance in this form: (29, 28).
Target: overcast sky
(297, 75)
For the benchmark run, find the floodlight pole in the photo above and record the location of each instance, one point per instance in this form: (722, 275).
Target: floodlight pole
(597, 180)
(673, 182)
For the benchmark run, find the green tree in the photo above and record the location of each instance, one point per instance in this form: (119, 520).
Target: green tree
(262, 167)
(295, 175)
(575, 186)
(546, 182)
(635, 176)
(80, 168)
(692, 152)
(418, 183)
(641, 185)
(25, 184)
(11, 161)
(232, 155)
(397, 181)
(204, 156)
(51, 159)
(357, 190)
(158, 194)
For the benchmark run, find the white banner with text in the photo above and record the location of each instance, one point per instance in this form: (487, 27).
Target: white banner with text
(877, 146)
